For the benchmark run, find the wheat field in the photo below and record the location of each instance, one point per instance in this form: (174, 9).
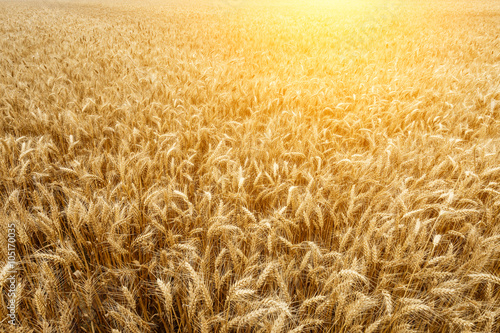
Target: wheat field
(250, 166)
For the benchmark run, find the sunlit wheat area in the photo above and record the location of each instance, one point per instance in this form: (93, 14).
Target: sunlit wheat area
(249, 166)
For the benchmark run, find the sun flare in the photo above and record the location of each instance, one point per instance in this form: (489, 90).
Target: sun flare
(249, 166)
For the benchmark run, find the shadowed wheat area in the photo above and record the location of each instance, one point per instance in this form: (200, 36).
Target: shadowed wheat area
(241, 166)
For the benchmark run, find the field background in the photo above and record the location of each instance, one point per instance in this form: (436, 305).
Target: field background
(241, 167)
